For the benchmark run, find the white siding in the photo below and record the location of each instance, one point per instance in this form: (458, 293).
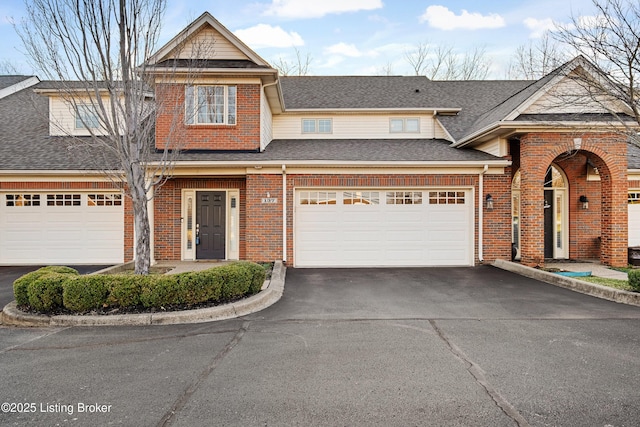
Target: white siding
(63, 118)
(209, 44)
(266, 122)
(493, 147)
(569, 96)
(348, 126)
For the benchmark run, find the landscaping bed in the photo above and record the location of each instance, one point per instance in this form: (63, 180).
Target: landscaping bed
(61, 290)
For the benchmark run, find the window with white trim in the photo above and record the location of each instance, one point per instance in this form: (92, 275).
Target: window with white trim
(404, 125)
(634, 198)
(63, 200)
(210, 105)
(86, 117)
(13, 200)
(317, 126)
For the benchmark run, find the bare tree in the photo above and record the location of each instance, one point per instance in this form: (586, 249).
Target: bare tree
(386, 70)
(536, 59)
(611, 41)
(298, 67)
(441, 62)
(96, 51)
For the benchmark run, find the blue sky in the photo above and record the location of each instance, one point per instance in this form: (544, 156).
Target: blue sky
(354, 37)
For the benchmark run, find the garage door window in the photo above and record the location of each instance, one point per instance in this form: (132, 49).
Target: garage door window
(404, 197)
(104, 199)
(63, 200)
(13, 200)
(318, 198)
(361, 198)
(446, 198)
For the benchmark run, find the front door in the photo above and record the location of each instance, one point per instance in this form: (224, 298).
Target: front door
(549, 233)
(210, 225)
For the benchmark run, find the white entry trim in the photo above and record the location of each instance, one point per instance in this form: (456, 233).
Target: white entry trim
(188, 218)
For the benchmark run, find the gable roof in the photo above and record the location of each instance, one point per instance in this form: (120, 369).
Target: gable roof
(13, 84)
(203, 22)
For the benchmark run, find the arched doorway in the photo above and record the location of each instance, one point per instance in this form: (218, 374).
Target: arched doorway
(556, 214)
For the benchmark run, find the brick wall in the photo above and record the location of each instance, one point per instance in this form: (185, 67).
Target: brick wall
(171, 129)
(607, 207)
(168, 213)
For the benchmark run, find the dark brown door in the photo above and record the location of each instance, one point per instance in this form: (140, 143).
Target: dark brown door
(210, 225)
(548, 223)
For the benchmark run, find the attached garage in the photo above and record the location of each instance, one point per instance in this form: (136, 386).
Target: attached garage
(634, 218)
(383, 227)
(61, 228)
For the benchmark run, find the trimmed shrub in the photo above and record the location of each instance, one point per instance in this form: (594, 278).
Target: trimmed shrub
(236, 279)
(52, 288)
(126, 289)
(161, 291)
(20, 284)
(634, 280)
(45, 292)
(84, 293)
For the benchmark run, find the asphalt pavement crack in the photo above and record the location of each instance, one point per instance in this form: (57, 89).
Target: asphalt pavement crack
(179, 404)
(478, 374)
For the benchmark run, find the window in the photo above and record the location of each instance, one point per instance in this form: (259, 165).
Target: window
(404, 197)
(407, 125)
(317, 197)
(316, 126)
(86, 117)
(634, 198)
(13, 200)
(361, 198)
(446, 198)
(104, 199)
(210, 105)
(63, 200)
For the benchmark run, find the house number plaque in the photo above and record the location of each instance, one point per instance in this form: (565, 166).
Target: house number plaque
(269, 200)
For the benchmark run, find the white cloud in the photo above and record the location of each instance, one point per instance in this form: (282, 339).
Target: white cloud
(263, 35)
(539, 26)
(442, 18)
(318, 8)
(349, 50)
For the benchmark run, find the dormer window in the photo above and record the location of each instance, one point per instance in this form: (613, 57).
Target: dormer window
(86, 117)
(316, 126)
(404, 125)
(206, 105)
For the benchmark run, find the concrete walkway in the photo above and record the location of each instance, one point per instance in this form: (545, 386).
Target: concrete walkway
(595, 267)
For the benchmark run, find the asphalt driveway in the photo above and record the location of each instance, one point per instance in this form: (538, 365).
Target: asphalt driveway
(393, 347)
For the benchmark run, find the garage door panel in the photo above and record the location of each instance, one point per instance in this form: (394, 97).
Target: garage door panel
(62, 229)
(418, 233)
(634, 224)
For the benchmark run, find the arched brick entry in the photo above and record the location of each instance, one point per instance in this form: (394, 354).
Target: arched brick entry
(608, 153)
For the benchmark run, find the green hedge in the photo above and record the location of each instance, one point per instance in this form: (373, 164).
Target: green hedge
(21, 284)
(634, 280)
(52, 288)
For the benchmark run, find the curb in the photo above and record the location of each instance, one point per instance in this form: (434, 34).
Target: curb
(11, 316)
(599, 291)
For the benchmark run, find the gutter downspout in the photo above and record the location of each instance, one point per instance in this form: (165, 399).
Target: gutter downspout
(284, 213)
(481, 213)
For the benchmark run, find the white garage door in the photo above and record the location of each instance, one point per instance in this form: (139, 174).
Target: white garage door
(634, 218)
(61, 228)
(358, 228)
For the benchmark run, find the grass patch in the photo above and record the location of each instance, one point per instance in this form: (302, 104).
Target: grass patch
(612, 283)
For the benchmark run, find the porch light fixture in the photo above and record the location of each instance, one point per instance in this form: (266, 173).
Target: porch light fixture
(584, 201)
(489, 202)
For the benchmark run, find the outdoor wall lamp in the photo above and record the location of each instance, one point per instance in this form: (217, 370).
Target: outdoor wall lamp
(489, 202)
(584, 201)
